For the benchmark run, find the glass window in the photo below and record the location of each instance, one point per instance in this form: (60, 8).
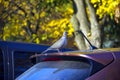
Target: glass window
(57, 70)
(1, 66)
(21, 62)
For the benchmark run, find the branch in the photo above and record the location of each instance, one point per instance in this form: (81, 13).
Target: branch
(37, 26)
(20, 8)
(30, 32)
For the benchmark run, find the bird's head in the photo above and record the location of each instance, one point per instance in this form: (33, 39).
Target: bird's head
(65, 33)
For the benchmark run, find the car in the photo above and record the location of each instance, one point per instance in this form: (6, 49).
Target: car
(97, 64)
(15, 57)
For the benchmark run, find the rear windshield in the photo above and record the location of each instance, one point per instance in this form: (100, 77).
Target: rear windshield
(57, 70)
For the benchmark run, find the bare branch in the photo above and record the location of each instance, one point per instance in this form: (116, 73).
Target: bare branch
(20, 8)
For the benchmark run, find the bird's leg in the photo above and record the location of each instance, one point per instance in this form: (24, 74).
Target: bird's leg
(59, 51)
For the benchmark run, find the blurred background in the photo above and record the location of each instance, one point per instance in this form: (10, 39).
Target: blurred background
(44, 21)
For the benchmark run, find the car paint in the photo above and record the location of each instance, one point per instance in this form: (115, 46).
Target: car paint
(9, 48)
(110, 58)
(111, 71)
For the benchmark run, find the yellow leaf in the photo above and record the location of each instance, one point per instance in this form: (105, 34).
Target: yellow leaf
(37, 40)
(6, 3)
(5, 36)
(21, 12)
(37, 16)
(22, 33)
(44, 37)
(13, 34)
(56, 33)
(70, 10)
(42, 14)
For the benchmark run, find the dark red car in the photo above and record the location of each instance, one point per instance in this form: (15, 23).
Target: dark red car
(98, 64)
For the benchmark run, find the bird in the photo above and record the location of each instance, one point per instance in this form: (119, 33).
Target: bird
(61, 43)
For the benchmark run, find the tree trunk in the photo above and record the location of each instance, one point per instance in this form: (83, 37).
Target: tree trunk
(82, 16)
(80, 21)
(95, 27)
(78, 37)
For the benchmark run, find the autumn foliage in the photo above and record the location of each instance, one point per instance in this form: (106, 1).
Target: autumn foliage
(43, 21)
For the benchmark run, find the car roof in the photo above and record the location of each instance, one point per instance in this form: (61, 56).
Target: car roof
(103, 56)
(23, 46)
(94, 51)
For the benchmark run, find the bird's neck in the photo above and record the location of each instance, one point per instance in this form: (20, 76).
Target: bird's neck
(64, 36)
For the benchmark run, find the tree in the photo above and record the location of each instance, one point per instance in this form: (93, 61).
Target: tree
(36, 21)
(85, 18)
(44, 21)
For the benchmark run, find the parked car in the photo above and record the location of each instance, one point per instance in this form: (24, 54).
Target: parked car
(20, 61)
(14, 58)
(97, 64)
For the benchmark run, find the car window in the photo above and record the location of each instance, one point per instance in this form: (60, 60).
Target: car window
(57, 70)
(21, 62)
(1, 66)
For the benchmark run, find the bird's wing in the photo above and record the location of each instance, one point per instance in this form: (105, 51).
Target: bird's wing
(59, 44)
(56, 45)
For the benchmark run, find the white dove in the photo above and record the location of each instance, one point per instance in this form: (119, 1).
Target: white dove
(61, 43)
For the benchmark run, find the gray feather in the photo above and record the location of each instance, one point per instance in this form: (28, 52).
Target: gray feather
(61, 43)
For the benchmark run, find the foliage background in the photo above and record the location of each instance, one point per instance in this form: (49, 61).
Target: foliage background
(44, 21)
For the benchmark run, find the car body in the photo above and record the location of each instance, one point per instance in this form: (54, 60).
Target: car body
(97, 64)
(20, 61)
(15, 58)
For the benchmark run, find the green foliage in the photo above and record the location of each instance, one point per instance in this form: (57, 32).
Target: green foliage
(37, 20)
(42, 21)
(105, 7)
(111, 28)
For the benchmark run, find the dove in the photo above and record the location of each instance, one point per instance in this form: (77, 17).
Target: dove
(61, 43)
